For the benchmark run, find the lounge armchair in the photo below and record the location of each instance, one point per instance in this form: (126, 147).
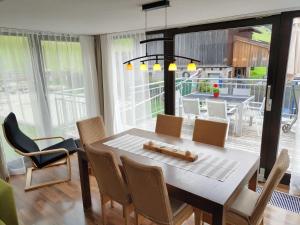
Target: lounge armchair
(57, 154)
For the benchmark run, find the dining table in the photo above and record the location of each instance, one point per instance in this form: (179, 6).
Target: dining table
(211, 183)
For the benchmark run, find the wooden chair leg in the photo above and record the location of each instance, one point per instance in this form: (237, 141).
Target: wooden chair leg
(103, 210)
(126, 213)
(198, 216)
(29, 187)
(112, 205)
(137, 218)
(262, 222)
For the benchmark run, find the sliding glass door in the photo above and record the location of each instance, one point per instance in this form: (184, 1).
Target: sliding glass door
(233, 71)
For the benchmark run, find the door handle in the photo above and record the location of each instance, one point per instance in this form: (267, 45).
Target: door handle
(268, 99)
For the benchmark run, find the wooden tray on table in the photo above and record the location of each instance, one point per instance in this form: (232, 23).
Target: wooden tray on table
(185, 155)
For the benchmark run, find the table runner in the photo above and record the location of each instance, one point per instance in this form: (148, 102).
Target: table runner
(206, 164)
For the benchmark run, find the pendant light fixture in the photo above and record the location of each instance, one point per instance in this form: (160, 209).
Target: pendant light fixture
(159, 57)
(129, 66)
(172, 66)
(143, 66)
(156, 66)
(191, 67)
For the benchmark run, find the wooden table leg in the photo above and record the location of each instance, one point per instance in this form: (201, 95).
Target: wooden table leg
(84, 180)
(218, 216)
(253, 182)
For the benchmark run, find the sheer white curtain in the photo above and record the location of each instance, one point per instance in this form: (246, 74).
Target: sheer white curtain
(126, 93)
(292, 70)
(49, 81)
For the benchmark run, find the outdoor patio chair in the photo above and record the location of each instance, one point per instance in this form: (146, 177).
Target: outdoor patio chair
(256, 112)
(191, 108)
(218, 111)
(241, 92)
(57, 154)
(223, 91)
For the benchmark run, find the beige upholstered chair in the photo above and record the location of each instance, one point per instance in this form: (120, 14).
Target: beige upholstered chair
(249, 206)
(150, 196)
(111, 183)
(91, 130)
(210, 132)
(168, 125)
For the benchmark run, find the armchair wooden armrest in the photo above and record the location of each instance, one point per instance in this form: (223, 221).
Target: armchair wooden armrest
(50, 151)
(48, 138)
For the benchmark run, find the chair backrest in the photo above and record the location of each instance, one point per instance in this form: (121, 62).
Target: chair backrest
(168, 125)
(148, 191)
(279, 169)
(216, 109)
(91, 130)
(17, 139)
(262, 107)
(108, 174)
(241, 91)
(210, 132)
(223, 91)
(191, 106)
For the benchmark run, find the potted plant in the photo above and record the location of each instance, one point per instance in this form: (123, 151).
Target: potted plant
(216, 90)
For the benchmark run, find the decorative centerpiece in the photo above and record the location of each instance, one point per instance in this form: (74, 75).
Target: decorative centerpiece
(216, 90)
(181, 154)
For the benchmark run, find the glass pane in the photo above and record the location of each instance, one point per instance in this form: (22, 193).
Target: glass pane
(65, 83)
(232, 71)
(290, 126)
(154, 89)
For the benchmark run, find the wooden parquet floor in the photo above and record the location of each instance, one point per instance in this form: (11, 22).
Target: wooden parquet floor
(62, 205)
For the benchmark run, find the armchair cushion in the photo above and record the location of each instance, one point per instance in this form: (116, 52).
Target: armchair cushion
(18, 139)
(68, 144)
(26, 145)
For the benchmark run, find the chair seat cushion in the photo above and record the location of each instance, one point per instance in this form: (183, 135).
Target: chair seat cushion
(243, 207)
(181, 211)
(68, 144)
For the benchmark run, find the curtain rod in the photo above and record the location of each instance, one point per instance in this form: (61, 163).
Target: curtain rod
(17, 30)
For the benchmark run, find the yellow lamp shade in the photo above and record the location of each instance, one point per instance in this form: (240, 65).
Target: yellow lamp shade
(172, 67)
(129, 67)
(156, 67)
(143, 67)
(191, 67)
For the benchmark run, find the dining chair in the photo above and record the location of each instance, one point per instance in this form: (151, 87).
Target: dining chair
(249, 206)
(111, 183)
(54, 155)
(150, 196)
(241, 91)
(168, 125)
(210, 132)
(91, 130)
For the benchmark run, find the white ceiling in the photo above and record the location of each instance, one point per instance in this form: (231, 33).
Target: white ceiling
(106, 16)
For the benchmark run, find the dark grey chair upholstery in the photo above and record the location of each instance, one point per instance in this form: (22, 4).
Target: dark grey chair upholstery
(25, 144)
